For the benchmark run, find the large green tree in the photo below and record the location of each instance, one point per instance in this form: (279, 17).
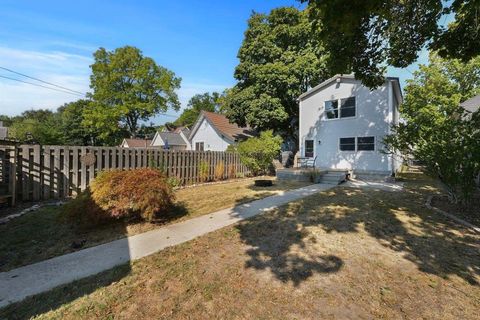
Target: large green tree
(199, 102)
(128, 88)
(40, 126)
(366, 36)
(72, 116)
(279, 60)
(435, 129)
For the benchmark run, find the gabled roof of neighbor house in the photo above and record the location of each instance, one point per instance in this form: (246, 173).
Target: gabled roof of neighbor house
(340, 77)
(173, 138)
(137, 143)
(472, 104)
(223, 126)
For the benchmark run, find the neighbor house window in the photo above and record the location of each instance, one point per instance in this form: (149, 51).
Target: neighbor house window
(331, 109)
(366, 143)
(341, 108)
(199, 146)
(309, 148)
(347, 107)
(347, 144)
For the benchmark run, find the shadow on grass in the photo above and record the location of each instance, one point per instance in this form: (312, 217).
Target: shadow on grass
(63, 236)
(398, 220)
(55, 298)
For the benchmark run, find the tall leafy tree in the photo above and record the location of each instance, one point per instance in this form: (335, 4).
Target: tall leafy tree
(72, 124)
(279, 60)
(365, 36)
(435, 129)
(198, 103)
(41, 126)
(128, 88)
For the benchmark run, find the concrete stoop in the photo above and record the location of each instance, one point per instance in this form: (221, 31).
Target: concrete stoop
(333, 177)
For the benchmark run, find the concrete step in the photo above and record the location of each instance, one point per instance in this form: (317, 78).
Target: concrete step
(333, 178)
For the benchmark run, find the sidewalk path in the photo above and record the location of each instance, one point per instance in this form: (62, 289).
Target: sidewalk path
(17, 284)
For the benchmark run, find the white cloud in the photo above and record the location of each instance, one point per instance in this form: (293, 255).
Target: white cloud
(67, 70)
(64, 69)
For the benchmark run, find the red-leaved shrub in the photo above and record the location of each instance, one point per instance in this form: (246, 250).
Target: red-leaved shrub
(116, 194)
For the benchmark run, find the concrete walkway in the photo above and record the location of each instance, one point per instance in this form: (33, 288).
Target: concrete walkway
(17, 284)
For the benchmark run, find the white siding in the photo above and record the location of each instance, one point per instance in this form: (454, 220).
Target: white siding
(373, 118)
(209, 136)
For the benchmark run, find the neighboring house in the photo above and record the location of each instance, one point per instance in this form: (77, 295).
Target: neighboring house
(343, 123)
(3, 131)
(471, 105)
(172, 140)
(214, 132)
(135, 143)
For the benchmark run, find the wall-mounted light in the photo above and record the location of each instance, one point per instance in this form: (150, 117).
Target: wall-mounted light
(319, 141)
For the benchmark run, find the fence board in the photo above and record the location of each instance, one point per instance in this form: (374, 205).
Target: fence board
(46, 172)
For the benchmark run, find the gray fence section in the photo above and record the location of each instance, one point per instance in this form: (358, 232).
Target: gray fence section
(52, 172)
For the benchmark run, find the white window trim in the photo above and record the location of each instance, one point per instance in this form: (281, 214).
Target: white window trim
(325, 118)
(305, 147)
(356, 144)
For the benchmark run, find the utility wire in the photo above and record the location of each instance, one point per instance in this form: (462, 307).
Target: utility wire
(36, 79)
(39, 85)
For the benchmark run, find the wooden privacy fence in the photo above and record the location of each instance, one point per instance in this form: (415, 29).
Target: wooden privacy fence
(52, 172)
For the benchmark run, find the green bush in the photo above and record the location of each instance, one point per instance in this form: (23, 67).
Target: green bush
(257, 153)
(144, 193)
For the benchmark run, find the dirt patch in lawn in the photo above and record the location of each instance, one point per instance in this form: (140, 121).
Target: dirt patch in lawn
(469, 212)
(341, 254)
(44, 234)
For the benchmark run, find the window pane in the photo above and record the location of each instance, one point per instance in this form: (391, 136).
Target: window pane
(331, 109)
(366, 143)
(347, 144)
(347, 108)
(309, 148)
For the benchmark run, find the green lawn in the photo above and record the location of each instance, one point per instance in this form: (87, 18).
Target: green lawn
(345, 253)
(41, 235)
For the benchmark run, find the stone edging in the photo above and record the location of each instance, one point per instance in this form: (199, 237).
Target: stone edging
(467, 224)
(33, 208)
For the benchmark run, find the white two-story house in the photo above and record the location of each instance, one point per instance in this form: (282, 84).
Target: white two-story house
(343, 123)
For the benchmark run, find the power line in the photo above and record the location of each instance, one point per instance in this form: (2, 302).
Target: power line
(49, 83)
(39, 85)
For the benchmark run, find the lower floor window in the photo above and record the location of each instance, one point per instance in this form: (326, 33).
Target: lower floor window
(309, 148)
(366, 143)
(347, 144)
(357, 144)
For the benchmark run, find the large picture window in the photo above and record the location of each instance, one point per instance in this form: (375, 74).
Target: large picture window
(309, 148)
(347, 144)
(366, 143)
(341, 108)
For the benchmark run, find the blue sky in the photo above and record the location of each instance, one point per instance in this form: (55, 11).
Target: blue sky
(54, 41)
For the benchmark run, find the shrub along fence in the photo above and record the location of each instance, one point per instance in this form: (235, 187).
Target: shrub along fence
(52, 172)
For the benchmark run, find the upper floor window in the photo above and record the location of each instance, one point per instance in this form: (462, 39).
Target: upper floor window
(331, 109)
(341, 108)
(309, 148)
(199, 146)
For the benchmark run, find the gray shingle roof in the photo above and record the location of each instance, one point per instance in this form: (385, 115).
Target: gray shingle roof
(472, 104)
(174, 139)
